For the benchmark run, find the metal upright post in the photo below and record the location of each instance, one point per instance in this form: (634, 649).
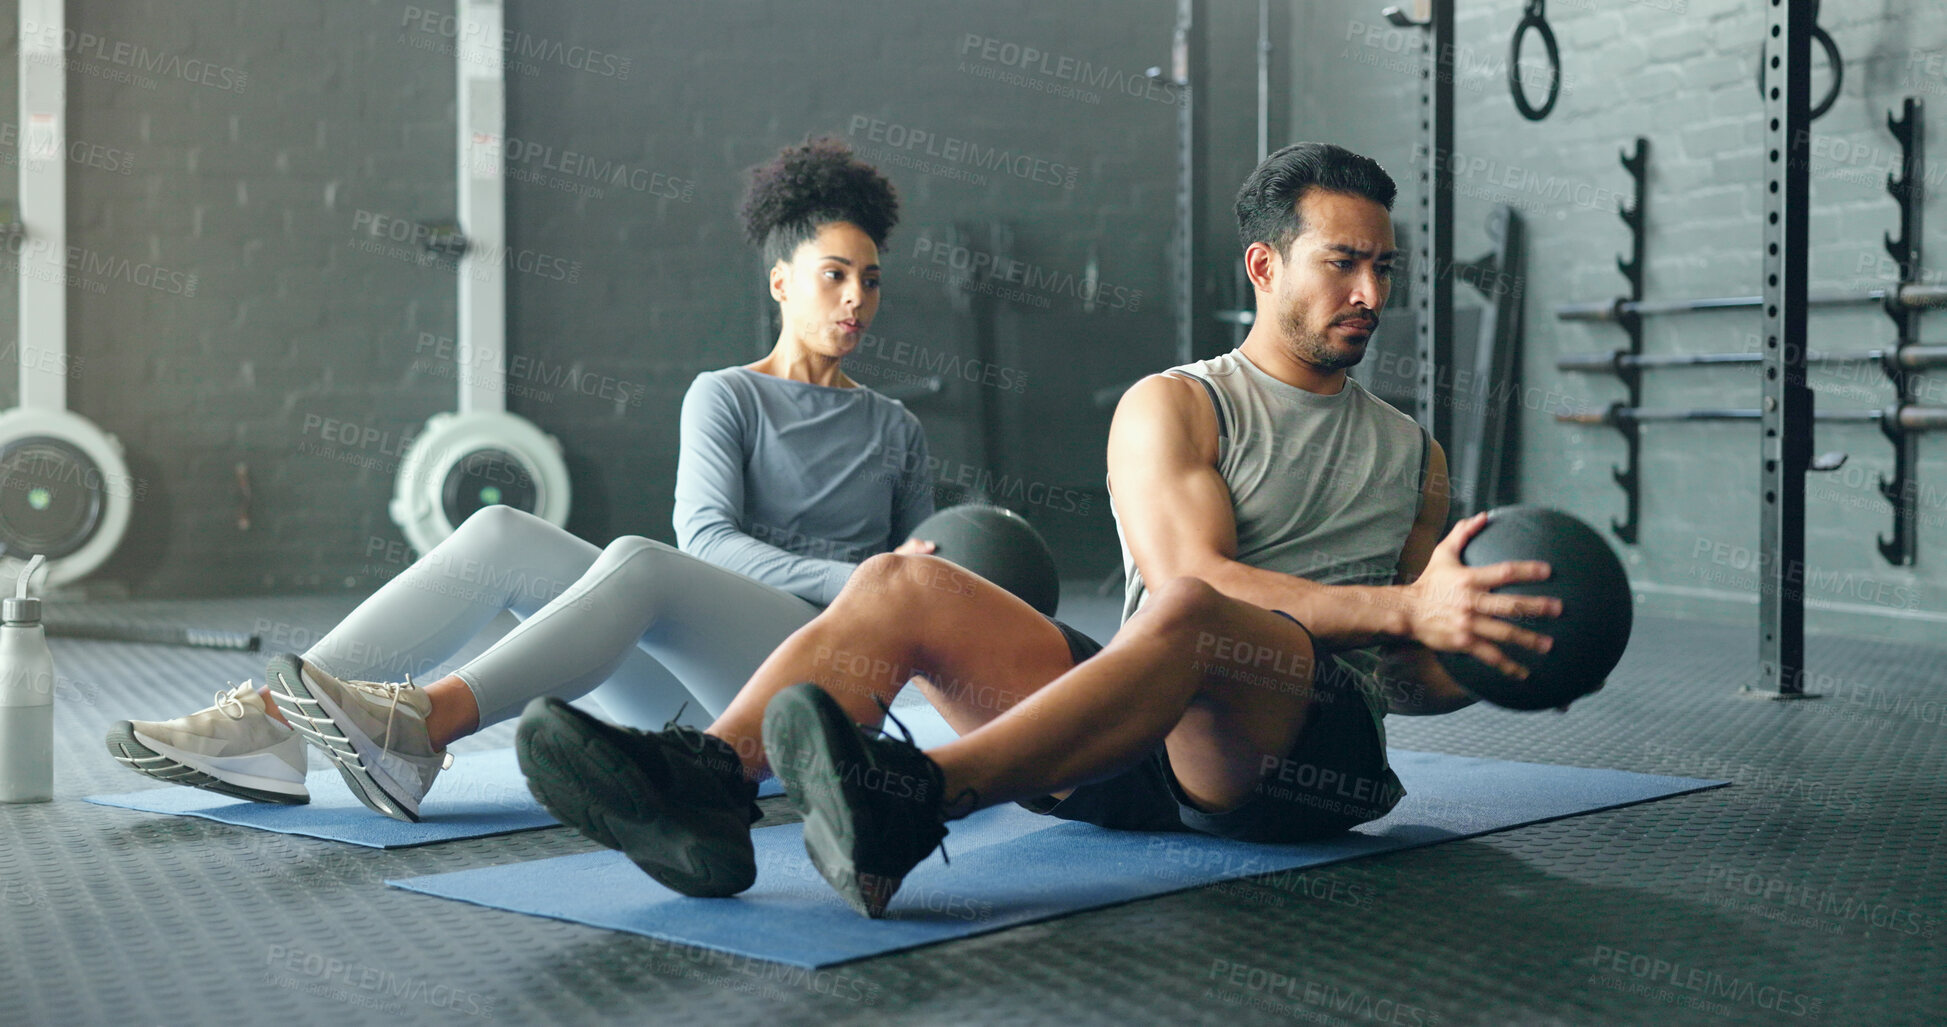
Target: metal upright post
(481, 108)
(1786, 407)
(1263, 80)
(1435, 270)
(1192, 300)
(43, 150)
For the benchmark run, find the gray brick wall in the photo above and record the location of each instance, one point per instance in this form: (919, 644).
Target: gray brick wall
(249, 148)
(265, 140)
(1681, 74)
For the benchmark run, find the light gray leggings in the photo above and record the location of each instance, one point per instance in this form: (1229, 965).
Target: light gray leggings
(651, 625)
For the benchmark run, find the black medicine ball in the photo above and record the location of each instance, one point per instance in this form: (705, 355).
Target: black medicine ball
(1593, 628)
(999, 545)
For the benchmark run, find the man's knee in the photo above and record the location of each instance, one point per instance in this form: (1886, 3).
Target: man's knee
(913, 582)
(874, 576)
(1182, 608)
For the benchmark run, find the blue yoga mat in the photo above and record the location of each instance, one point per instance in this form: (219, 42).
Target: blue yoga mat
(482, 794)
(1013, 867)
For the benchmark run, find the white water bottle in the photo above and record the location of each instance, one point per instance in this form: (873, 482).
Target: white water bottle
(26, 697)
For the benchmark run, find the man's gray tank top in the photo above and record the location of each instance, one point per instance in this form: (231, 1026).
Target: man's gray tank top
(1325, 488)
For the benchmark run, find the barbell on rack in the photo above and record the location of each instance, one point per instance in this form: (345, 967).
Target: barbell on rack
(1911, 418)
(1908, 358)
(1910, 296)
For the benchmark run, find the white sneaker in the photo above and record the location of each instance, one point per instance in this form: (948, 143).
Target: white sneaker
(235, 747)
(375, 733)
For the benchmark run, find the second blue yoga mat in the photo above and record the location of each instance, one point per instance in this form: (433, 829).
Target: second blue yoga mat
(482, 794)
(1012, 867)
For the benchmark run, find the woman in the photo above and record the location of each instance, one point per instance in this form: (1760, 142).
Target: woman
(781, 489)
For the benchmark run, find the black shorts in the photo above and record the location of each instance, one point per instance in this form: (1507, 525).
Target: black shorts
(1333, 778)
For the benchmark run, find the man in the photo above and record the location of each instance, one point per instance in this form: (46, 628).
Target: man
(1285, 591)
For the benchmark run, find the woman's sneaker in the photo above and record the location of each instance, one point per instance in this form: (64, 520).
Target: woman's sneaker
(235, 747)
(374, 732)
(873, 804)
(674, 801)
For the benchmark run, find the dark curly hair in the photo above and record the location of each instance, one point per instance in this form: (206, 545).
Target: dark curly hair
(805, 188)
(1267, 205)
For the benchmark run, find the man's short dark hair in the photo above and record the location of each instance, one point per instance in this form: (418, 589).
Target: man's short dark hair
(1267, 205)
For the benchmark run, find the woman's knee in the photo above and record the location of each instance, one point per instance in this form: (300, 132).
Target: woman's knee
(500, 525)
(637, 557)
(629, 572)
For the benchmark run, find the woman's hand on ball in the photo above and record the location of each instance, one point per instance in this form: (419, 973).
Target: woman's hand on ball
(915, 547)
(1453, 607)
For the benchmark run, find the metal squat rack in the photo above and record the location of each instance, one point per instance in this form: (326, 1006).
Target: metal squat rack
(1786, 413)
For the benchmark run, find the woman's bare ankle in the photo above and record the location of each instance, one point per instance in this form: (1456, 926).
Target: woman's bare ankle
(263, 692)
(456, 713)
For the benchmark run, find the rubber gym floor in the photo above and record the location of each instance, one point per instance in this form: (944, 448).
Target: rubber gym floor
(1810, 891)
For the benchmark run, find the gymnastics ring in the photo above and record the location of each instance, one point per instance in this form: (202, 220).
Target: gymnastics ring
(1535, 18)
(1824, 39)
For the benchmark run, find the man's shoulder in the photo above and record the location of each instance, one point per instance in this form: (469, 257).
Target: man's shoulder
(1384, 411)
(1223, 365)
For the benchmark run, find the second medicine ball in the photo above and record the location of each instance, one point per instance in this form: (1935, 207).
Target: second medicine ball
(999, 545)
(1596, 617)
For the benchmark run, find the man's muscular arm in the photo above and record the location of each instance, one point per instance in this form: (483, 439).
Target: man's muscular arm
(1413, 681)
(1175, 512)
(1176, 516)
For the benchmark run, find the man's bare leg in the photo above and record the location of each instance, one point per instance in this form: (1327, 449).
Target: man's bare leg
(1221, 683)
(979, 649)
(679, 802)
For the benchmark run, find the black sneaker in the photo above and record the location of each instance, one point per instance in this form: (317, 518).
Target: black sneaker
(873, 805)
(674, 801)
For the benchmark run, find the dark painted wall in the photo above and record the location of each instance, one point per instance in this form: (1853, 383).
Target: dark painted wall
(269, 152)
